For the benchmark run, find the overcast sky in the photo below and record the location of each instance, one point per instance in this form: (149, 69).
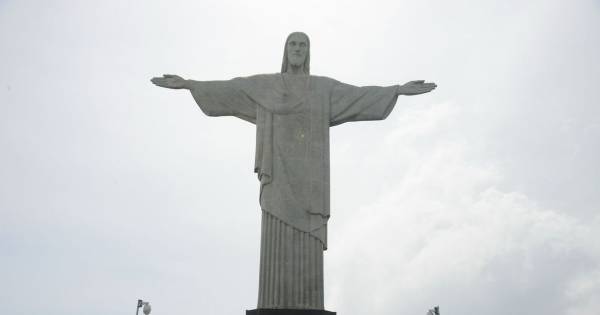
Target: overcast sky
(482, 197)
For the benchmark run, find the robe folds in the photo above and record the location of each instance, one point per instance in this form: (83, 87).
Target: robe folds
(293, 114)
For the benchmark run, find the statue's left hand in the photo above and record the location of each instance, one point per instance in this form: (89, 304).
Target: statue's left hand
(170, 81)
(416, 88)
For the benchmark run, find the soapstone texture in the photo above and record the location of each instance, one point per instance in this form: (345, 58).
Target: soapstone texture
(293, 111)
(292, 117)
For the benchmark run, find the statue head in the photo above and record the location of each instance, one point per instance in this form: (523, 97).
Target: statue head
(296, 52)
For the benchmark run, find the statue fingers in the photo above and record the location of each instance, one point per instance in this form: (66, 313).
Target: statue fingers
(422, 90)
(159, 80)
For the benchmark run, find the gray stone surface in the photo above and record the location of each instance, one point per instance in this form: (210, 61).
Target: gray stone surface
(293, 111)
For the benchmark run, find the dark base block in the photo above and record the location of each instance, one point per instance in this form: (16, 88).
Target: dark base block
(283, 311)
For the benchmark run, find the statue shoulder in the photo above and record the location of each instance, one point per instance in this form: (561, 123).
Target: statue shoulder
(256, 81)
(275, 79)
(264, 76)
(256, 77)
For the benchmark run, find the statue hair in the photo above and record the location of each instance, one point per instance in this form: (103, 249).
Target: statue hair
(306, 65)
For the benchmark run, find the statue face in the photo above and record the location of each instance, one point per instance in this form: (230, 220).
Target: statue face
(297, 48)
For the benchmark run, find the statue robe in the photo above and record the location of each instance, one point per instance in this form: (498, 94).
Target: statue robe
(292, 116)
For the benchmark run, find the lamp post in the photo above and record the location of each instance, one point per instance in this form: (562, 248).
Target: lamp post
(146, 307)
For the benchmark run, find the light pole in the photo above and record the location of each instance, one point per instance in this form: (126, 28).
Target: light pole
(147, 308)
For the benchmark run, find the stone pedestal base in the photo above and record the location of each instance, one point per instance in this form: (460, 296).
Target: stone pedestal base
(272, 311)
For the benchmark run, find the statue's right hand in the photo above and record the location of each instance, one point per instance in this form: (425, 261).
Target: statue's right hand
(170, 81)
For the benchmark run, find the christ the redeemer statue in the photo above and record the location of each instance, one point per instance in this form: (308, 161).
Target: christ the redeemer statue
(293, 111)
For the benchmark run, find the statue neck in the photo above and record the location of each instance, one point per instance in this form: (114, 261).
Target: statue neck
(292, 69)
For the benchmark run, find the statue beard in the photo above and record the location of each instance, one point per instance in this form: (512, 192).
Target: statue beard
(296, 61)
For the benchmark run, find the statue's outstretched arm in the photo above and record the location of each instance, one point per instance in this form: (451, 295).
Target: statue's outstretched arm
(416, 88)
(215, 98)
(172, 81)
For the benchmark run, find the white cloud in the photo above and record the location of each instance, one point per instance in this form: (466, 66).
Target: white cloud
(582, 293)
(444, 233)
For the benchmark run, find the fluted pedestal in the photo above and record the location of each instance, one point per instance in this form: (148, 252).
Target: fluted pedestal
(291, 268)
